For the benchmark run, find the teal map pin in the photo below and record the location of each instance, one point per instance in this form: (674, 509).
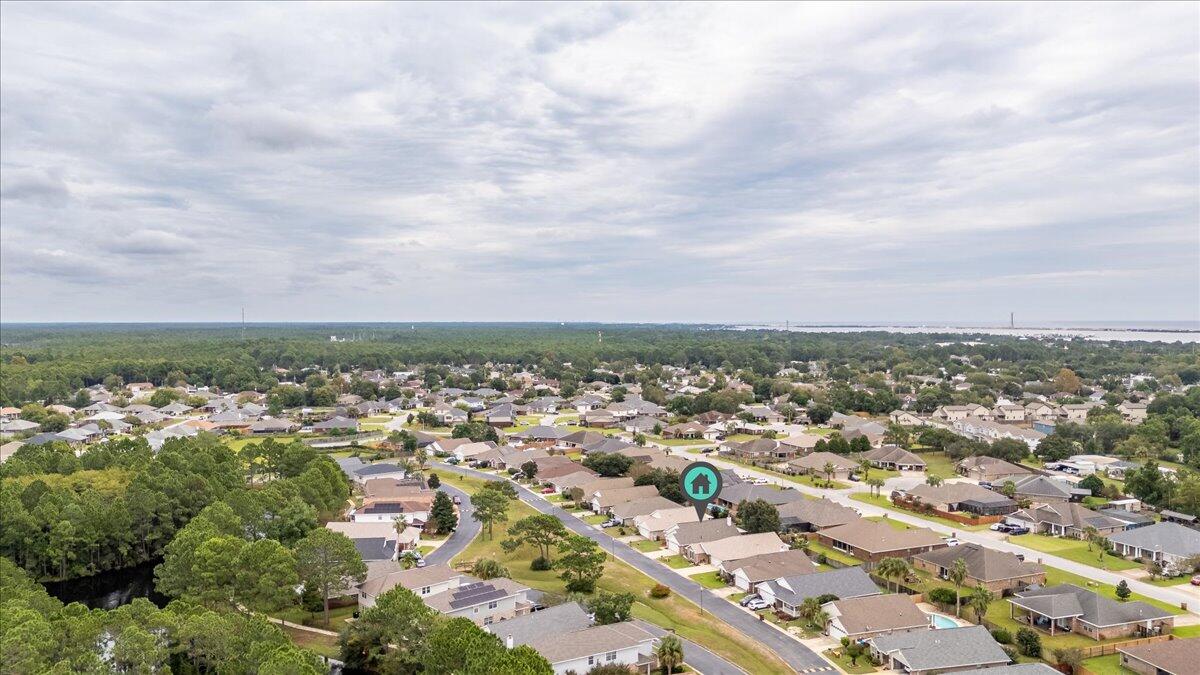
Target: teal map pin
(701, 483)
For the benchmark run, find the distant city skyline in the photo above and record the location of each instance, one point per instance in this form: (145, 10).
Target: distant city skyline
(694, 163)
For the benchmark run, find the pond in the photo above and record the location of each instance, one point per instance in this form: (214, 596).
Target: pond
(109, 590)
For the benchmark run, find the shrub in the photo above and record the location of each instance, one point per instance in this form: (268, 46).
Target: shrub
(827, 597)
(512, 470)
(941, 596)
(539, 564)
(1002, 636)
(1029, 643)
(660, 591)
(1011, 652)
(821, 559)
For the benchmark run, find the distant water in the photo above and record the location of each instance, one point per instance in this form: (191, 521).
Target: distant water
(1157, 331)
(109, 590)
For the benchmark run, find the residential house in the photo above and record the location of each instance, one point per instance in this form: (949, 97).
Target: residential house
(502, 415)
(444, 447)
(1171, 544)
(685, 430)
(448, 415)
(747, 573)
(733, 494)
(954, 413)
(483, 602)
(655, 525)
(578, 439)
(277, 425)
(906, 419)
(869, 616)
(599, 419)
(378, 470)
(1069, 608)
(987, 430)
(424, 581)
(336, 423)
(1044, 490)
(926, 652)
(949, 497)
(991, 470)
(737, 547)
(626, 513)
(815, 465)
(759, 449)
(1077, 412)
(1008, 413)
(605, 499)
(801, 444)
(1065, 519)
(1040, 411)
(998, 571)
(811, 515)
(1173, 657)
(787, 593)
(1134, 413)
(683, 534)
(618, 644)
(872, 541)
(894, 458)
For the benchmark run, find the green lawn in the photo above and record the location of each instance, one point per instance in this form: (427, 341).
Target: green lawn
(883, 502)
(675, 562)
(1188, 631)
(647, 545)
(813, 481)
(678, 441)
(709, 580)
(672, 613)
(938, 464)
(895, 524)
(595, 519)
(426, 550)
(1105, 665)
(1074, 550)
(843, 662)
(846, 559)
(1174, 581)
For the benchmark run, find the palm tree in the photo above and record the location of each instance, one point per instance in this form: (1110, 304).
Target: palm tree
(1089, 533)
(876, 485)
(978, 601)
(820, 619)
(893, 568)
(669, 652)
(865, 467)
(828, 470)
(958, 575)
(809, 608)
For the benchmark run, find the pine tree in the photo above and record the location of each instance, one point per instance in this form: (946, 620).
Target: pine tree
(443, 513)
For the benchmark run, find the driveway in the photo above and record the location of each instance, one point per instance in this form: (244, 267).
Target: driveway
(796, 655)
(462, 535)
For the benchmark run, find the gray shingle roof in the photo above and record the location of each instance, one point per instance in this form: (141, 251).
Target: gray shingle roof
(849, 582)
(549, 622)
(1067, 600)
(1171, 538)
(942, 649)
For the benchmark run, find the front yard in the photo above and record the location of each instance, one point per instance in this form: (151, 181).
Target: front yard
(647, 545)
(675, 562)
(838, 656)
(815, 549)
(883, 502)
(1074, 550)
(709, 580)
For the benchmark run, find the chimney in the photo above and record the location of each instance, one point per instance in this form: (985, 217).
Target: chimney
(508, 641)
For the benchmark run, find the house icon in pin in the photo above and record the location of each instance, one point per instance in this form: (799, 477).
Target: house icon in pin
(701, 485)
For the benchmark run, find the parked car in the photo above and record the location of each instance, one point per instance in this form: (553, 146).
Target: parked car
(548, 491)
(854, 478)
(611, 522)
(757, 604)
(452, 460)
(998, 527)
(1196, 580)
(457, 499)
(747, 600)
(951, 541)
(1017, 529)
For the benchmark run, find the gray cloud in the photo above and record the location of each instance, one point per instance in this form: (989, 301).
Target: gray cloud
(641, 162)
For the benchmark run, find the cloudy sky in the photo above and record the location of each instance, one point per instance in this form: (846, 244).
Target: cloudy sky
(623, 162)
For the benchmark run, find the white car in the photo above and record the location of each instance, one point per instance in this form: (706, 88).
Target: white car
(996, 527)
(757, 604)
(952, 542)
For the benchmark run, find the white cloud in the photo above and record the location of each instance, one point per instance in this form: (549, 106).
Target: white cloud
(636, 162)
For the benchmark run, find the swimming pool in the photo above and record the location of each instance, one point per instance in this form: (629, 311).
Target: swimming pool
(941, 621)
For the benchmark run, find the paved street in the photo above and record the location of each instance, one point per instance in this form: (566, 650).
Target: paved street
(464, 534)
(790, 650)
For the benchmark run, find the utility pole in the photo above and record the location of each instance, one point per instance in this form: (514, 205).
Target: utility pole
(243, 323)
(1012, 322)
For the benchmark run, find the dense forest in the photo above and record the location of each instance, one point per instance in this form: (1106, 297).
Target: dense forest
(51, 363)
(120, 505)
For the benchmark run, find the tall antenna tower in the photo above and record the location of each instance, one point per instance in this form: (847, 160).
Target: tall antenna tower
(599, 336)
(243, 323)
(1012, 322)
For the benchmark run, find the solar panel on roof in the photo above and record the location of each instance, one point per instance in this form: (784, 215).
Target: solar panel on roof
(475, 594)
